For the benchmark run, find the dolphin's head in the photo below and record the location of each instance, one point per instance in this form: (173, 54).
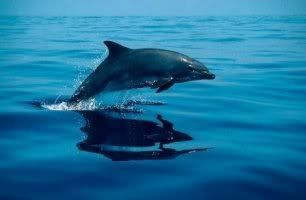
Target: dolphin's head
(197, 70)
(193, 70)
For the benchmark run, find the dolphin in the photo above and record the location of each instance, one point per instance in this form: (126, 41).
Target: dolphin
(126, 68)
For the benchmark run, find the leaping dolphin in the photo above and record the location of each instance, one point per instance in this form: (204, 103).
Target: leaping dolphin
(126, 68)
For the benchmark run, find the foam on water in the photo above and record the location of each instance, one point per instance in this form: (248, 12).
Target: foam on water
(88, 105)
(127, 105)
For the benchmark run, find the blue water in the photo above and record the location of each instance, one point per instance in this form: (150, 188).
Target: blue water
(240, 136)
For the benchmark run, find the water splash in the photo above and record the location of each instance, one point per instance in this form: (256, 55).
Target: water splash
(85, 69)
(127, 106)
(88, 105)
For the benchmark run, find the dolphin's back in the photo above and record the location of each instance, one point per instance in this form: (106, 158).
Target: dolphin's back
(149, 61)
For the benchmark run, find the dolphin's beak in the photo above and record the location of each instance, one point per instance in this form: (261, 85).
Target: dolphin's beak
(208, 75)
(202, 73)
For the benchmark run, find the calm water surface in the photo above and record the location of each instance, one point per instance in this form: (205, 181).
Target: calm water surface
(240, 136)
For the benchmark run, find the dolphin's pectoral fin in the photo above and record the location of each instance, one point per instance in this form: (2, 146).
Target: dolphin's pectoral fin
(166, 85)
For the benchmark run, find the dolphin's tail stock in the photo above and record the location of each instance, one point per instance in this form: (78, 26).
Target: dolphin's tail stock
(78, 95)
(86, 90)
(73, 100)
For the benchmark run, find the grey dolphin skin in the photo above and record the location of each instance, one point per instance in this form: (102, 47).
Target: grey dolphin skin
(126, 68)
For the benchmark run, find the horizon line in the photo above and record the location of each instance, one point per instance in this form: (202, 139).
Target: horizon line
(217, 15)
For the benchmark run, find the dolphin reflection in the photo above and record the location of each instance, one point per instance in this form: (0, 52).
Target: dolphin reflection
(122, 139)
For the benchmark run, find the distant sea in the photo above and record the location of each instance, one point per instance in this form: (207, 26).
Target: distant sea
(240, 136)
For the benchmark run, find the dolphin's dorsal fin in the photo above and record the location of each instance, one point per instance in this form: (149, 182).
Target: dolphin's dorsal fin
(115, 48)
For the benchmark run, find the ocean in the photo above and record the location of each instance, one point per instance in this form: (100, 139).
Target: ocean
(239, 136)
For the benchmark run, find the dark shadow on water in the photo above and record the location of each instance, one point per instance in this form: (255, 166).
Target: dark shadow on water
(122, 139)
